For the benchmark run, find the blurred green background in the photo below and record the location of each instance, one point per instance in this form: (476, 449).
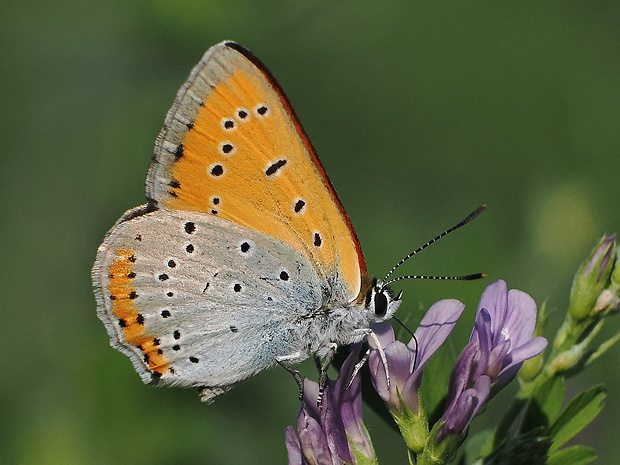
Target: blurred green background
(420, 112)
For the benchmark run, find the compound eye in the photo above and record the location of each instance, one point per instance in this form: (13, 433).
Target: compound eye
(381, 304)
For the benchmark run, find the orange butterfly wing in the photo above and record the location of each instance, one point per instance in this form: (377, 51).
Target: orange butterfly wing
(232, 146)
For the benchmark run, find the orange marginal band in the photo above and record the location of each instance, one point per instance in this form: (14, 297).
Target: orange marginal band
(123, 294)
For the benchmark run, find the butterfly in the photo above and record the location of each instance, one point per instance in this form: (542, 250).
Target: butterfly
(243, 255)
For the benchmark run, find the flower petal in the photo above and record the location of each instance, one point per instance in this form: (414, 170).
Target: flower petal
(399, 358)
(378, 376)
(521, 317)
(311, 394)
(293, 447)
(460, 376)
(482, 388)
(495, 300)
(384, 332)
(354, 428)
(498, 357)
(530, 349)
(350, 402)
(409, 392)
(346, 371)
(467, 406)
(434, 328)
(313, 442)
(482, 336)
(333, 426)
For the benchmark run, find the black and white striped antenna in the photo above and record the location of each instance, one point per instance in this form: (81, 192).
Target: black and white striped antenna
(460, 224)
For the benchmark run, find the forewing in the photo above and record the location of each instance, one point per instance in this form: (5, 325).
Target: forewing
(232, 147)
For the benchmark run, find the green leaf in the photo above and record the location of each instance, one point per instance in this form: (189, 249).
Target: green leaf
(474, 444)
(575, 455)
(503, 430)
(529, 448)
(579, 412)
(604, 347)
(551, 396)
(545, 405)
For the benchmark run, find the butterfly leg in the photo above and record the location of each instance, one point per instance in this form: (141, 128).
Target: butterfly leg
(365, 333)
(324, 366)
(377, 343)
(283, 362)
(358, 366)
(209, 393)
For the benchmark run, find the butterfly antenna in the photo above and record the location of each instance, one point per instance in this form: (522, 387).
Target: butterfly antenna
(461, 223)
(468, 277)
(406, 328)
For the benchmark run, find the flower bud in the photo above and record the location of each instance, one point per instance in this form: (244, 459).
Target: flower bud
(608, 301)
(591, 278)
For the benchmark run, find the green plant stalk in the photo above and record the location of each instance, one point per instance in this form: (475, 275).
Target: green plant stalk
(572, 335)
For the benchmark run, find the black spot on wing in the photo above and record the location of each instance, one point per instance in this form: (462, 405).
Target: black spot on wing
(299, 205)
(275, 167)
(318, 240)
(217, 170)
(178, 152)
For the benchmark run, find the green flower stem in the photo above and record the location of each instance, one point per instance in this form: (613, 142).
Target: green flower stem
(528, 390)
(571, 333)
(569, 347)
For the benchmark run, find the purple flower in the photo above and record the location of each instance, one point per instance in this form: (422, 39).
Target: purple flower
(334, 433)
(464, 399)
(500, 342)
(503, 332)
(404, 366)
(399, 386)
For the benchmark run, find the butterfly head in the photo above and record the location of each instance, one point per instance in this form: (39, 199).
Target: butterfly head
(379, 300)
